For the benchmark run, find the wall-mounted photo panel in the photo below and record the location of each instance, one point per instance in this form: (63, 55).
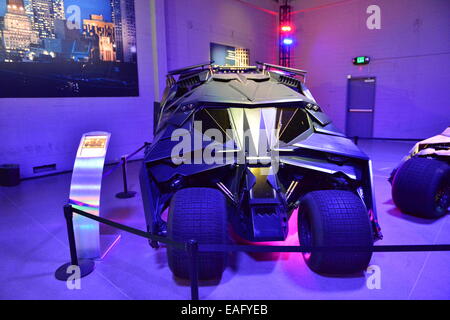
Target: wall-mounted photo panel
(68, 48)
(224, 55)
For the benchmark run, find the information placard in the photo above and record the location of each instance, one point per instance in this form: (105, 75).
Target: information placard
(85, 191)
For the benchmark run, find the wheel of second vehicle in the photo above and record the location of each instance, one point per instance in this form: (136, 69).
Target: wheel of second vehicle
(421, 187)
(200, 214)
(335, 218)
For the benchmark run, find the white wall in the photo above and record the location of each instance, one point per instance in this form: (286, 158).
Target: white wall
(193, 24)
(410, 59)
(35, 132)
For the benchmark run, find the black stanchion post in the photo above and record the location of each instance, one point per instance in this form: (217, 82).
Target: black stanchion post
(68, 214)
(125, 194)
(86, 266)
(192, 247)
(355, 138)
(124, 174)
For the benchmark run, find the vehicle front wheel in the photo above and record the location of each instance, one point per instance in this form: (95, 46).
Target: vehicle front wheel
(335, 218)
(199, 214)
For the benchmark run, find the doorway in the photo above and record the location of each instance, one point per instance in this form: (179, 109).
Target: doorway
(360, 107)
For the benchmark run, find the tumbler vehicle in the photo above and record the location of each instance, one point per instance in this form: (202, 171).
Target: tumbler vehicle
(278, 152)
(421, 182)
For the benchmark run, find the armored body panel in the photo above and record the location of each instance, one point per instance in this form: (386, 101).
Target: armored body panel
(258, 136)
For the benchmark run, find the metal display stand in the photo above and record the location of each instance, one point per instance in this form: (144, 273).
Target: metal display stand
(89, 163)
(85, 190)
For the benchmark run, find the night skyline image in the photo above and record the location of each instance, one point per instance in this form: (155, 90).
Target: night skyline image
(68, 48)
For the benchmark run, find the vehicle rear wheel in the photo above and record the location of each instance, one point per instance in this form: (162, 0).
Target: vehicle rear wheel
(199, 214)
(421, 187)
(335, 218)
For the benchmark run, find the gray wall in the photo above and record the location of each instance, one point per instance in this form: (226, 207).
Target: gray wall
(192, 24)
(410, 59)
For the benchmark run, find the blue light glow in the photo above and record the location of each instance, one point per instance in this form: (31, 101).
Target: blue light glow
(287, 41)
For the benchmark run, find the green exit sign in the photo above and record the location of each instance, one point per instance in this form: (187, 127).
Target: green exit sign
(361, 60)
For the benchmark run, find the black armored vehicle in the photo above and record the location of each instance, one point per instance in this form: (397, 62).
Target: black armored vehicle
(244, 147)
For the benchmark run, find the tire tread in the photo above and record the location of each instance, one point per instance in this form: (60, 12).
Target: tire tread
(199, 214)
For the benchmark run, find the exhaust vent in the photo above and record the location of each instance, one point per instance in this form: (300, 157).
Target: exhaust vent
(291, 82)
(189, 82)
(45, 168)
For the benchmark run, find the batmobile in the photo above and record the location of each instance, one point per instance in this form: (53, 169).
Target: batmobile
(265, 149)
(421, 182)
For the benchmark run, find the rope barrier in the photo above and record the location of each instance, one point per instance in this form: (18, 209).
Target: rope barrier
(124, 159)
(193, 248)
(107, 173)
(258, 248)
(144, 234)
(380, 248)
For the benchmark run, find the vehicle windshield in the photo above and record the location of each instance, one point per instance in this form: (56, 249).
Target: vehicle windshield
(284, 123)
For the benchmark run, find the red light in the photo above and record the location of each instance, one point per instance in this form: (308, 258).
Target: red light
(286, 28)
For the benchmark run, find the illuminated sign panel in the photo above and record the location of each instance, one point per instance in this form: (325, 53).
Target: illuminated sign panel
(361, 60)
(93, 146)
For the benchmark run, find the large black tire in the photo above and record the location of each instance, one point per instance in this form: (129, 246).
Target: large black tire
(335, 218)
(421, 187)
(200, 214)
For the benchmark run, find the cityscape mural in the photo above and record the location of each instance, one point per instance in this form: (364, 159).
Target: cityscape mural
(68, 48)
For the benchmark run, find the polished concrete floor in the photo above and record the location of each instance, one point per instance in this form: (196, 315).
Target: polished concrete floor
(33, 244)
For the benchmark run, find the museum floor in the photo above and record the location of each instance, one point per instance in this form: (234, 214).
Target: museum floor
(33, 244)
